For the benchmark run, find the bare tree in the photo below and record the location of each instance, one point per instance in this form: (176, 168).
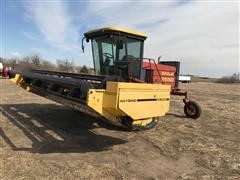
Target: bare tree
(48, 65)
(26, 60)
(65, 65)
(12, 62)
(36, 60)
(2, 60)
(24, 63)
(84, 69)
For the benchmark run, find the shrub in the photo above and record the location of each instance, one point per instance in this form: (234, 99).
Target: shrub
(65, 65)
(235, 78)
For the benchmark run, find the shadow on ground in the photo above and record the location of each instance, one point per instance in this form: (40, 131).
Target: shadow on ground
(55, 129)
(176, 115)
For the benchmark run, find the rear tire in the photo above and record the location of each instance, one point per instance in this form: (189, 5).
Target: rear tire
(192, 110)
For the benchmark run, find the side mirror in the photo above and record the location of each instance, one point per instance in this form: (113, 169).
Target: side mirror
(120, 44)
(87, 40)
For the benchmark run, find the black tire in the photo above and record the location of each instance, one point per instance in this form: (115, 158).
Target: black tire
(84, 87)
(114, 78)
(192, 110)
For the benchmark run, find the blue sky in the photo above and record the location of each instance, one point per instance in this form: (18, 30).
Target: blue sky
(203, 35)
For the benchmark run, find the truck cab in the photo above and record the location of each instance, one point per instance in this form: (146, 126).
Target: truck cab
(117, 52)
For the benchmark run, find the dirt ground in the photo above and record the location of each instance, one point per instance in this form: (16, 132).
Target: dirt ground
(41, 139)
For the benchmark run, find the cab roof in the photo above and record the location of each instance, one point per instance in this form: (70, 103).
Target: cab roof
(114, 30)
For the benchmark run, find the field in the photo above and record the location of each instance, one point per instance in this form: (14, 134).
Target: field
(41, 139)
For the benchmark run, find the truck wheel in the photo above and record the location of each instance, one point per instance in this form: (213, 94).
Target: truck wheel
(192, 109)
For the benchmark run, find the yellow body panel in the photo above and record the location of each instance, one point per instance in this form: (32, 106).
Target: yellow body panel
(136, 100)
(119, 30)
(144, 104)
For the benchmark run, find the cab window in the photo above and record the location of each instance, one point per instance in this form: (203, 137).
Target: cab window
(134, 48)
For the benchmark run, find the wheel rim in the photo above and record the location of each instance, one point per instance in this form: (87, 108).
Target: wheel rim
(191, 110)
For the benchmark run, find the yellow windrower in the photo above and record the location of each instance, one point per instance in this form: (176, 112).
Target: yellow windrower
(136, 103)
(111, 93)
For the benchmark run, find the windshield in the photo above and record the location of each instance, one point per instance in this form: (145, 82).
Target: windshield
(134, 48)
(103, 55)
(114, 55)
(131, 49)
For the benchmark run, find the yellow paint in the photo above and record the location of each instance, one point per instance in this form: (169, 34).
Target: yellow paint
(118, 30)
(66, 90)
(140, 102)
(168, 79)
(166, 73)
(17, 79)
(142, 122)
(28, 88)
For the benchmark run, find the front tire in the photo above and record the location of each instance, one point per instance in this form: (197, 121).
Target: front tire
(192, 109)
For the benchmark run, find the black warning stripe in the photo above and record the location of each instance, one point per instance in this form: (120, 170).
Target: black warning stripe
(158, 99)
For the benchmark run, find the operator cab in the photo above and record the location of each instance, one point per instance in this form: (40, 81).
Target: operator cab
(117, 52)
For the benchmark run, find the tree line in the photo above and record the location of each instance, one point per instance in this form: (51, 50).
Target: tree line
(35, 61)
(234, 78)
